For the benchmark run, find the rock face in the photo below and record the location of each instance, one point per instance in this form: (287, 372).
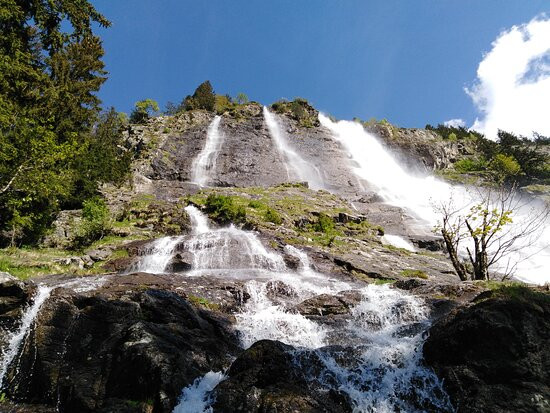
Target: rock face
(265, 378)
(122, 347)
(494, 356)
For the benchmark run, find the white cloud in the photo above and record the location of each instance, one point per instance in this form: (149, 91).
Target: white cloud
(512, 90)
(455, 123)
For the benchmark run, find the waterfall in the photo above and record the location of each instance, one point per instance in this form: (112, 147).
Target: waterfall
(16, 337)
(379, 367)
(296, 166)
(156, 256)
(228, 249)
(419, 194)
(205, 163)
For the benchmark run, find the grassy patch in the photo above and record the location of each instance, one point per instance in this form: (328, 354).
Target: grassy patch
(414, 274)
(382, 281)
(202, 302)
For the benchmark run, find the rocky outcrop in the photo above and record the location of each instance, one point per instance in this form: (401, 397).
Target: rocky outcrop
(131, 346)
(421, 148)
(266, 378)
(493, 356)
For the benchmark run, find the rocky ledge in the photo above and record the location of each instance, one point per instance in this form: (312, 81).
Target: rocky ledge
(493, 356)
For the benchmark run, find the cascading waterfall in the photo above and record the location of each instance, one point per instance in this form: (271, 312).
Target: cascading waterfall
(156, 256)
(296, 166)
(204, 164)
(419, 195)
(380, 368)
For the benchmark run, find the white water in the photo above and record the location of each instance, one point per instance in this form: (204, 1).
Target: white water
(156, 256)
(204, 164)
(17, 337)
(379, 367)
(398, 242)
(419, 194)
(196, 398)
(296, 166)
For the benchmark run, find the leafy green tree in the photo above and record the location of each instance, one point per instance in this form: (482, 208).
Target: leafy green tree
(241, 98)
(47, 103)
(143, 110)
(203, 98)
(505, 167)
(485, 232)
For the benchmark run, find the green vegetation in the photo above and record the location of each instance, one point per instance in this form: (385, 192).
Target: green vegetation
(203, 98)
(299, 109)
(511, 159)
(383, 281)
(50, 128)
(143, 110)
(203, 302)
(271, 215)
(466, 165)
(96, 222)
(515, 291)
(223, 209)
(414, 274)
(324, 224)
(241, 99)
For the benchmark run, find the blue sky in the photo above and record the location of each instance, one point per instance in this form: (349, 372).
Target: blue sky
(406, 61)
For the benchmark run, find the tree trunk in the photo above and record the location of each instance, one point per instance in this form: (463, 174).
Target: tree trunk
(459, 268)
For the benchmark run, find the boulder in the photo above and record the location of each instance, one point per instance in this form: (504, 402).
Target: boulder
(265, 378)
(493, 356)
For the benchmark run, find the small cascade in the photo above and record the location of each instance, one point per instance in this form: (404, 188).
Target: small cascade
(196, 398)
(296, 166)
(398, 242)
(227, 249)
(380, 366)
(17, 337)
(204, 164)
(375, 358)
(156, 256)
(420, 194)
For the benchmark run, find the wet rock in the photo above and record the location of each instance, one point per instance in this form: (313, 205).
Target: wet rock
(182, 261)
(126, 342)
(265, 378)
(119, 264)
(493, 356)
(326, 305)
(15, 295)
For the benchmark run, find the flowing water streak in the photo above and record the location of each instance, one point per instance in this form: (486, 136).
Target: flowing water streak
(296, 166)
(419, 195)
(205, 163)
(157, 256)
(16, 338)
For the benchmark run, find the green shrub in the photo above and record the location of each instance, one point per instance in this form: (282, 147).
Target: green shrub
(324, 224)
(470, 165)
(223, 209)
(414, 274)
(143, 110)
(272, 216)
(95, 223)
(504, 167)
(241, 98)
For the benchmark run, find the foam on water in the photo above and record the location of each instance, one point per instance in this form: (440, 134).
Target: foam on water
(196, 398)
